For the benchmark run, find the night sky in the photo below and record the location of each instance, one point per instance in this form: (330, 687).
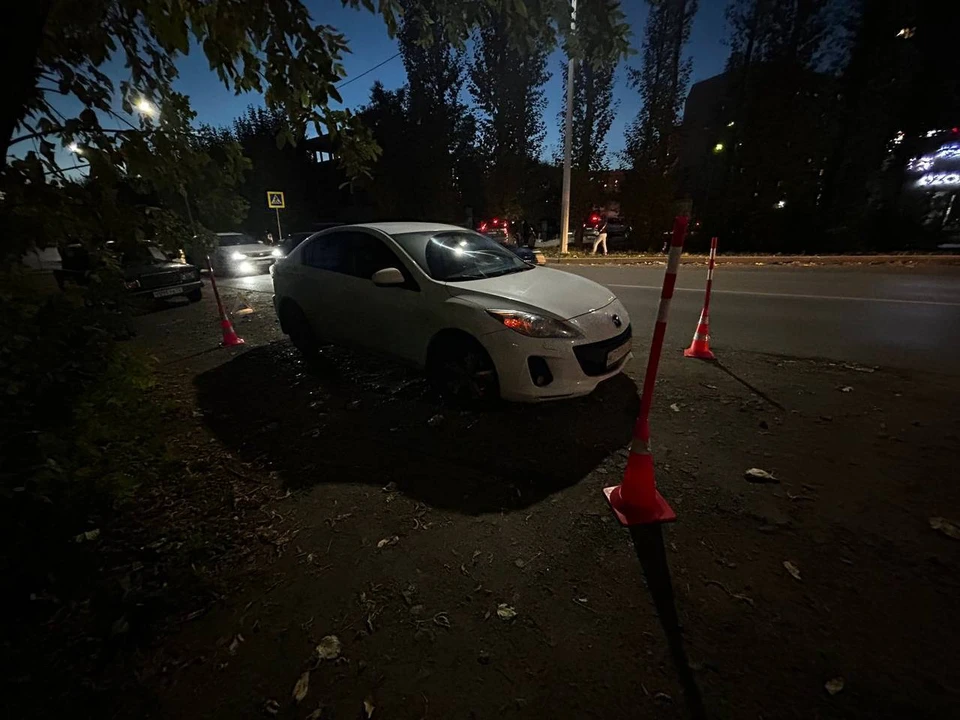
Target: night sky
(371, 45)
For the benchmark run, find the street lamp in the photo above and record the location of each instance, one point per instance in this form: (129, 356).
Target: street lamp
(718, 148)
(74, 148)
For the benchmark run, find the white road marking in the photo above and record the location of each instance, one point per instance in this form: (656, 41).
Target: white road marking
(795, 296)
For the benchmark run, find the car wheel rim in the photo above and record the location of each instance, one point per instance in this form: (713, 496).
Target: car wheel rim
(467, 378)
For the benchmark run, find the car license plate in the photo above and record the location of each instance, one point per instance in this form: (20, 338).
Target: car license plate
(167, 292)
(617, 354)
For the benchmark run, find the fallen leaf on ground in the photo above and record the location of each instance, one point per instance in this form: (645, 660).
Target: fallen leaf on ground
(387, 542)
(946, 527)
(302, 687)
(271, 707)
(435, 420)
(329, 648)
(846, 388)
(675, 407)
(87, 536)
(756, 475)
(834, 686)
(235, 644)
(708, 386)
(315, 715)
(369, 707)
(505, 612)
(792, 569)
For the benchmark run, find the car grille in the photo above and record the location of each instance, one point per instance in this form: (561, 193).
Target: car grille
(157, 280)
(260, 255)
(593, 357)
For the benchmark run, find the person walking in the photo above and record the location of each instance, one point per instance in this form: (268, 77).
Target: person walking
(601, 238)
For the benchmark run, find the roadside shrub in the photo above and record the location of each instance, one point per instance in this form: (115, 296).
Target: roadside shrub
(75, 432)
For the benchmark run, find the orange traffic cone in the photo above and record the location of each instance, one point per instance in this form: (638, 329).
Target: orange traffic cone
(635, 501)
(230, 338)
(700, 347)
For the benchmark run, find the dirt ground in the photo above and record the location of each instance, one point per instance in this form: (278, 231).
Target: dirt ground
(470, 567)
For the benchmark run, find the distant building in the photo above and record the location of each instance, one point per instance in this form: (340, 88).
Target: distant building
(755, 143)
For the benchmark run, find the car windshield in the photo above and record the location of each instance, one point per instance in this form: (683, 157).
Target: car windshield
(458, 255)
(237, 239)
(142, 254)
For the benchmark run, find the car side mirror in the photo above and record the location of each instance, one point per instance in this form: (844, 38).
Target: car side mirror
(388, 277)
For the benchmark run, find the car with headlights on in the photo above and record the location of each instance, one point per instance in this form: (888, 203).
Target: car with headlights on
(479, 320)
(240, 254)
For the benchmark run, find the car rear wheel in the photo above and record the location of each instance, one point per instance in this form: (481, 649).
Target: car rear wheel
(296, 325)
(462, 372)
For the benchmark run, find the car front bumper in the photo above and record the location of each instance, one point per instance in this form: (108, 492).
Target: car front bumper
(168, 291)
(251, 266)
(573, 367)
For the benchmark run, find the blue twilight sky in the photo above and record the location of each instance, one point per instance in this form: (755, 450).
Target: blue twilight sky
(371, 45)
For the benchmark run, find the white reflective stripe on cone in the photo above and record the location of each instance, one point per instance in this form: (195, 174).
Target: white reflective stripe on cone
(673, 260)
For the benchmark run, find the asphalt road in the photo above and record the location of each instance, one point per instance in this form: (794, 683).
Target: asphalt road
(889, 316)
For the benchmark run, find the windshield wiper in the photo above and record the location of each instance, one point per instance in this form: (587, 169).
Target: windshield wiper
(455, 278)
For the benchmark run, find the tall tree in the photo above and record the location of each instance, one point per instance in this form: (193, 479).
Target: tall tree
(652, 140)
(438, 120)
(593, 106)
(506, 82)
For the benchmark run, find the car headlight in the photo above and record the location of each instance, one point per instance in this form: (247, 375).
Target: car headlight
(237, 256)
(277, 252)
(533, 325)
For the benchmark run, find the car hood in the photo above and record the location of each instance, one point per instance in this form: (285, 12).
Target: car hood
(135, 270)
(563, 295)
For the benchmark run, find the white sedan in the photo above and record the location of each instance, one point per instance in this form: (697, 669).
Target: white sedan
(482, 322)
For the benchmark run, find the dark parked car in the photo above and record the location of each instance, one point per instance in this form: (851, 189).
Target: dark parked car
(147, 272)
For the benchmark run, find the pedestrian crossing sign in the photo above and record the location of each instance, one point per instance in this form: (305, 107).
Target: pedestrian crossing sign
(275, 200)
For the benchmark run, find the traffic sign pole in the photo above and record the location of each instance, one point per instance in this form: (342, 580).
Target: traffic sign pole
(279, 231)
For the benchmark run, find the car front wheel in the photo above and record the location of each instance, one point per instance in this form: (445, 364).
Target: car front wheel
(296, 325)
(462, 372)
(195, 295)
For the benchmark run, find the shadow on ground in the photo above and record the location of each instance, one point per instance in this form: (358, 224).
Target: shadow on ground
(353, 419)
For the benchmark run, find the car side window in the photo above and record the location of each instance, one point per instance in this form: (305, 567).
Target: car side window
(328, 252)
(371, 255)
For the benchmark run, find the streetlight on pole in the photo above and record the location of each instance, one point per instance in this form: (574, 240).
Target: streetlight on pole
(567, 139)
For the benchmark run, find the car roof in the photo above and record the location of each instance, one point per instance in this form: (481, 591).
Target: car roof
(398, 228)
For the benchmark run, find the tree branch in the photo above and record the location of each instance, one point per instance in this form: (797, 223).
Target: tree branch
(54, 131)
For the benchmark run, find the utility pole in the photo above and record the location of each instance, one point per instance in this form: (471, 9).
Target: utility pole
(568, 139)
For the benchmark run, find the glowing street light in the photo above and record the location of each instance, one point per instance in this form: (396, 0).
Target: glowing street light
(145, 107)
(718, 148)
(74, 148)
(781, 204)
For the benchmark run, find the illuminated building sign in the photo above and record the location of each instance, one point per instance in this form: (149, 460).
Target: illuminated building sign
(948, 176)
(939, 180)
(950, 151)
